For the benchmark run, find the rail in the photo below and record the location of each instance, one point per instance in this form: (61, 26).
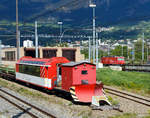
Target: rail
(130, 96)
(136, 67)
(24, 102)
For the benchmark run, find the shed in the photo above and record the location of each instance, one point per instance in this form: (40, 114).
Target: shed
(82, 73)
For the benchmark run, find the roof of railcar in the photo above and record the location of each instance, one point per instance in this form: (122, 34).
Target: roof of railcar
(113, 57)
(39, 61)
(71, 64)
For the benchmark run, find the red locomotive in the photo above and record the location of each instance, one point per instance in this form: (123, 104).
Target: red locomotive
(77, 78)
(114, 60)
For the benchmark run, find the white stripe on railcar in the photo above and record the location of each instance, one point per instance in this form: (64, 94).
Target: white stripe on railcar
(45, 82)
(33, 64)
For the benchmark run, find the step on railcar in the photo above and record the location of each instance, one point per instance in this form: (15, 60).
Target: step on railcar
(77, 78)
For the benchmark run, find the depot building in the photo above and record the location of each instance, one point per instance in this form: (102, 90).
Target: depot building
(9, 55)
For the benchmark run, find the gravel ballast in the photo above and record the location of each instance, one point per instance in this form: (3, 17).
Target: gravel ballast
(7, 110)
(64, 108)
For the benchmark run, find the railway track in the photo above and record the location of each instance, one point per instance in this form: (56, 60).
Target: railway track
(130, 96)
(30, 109)
(123, 94)
(136, 67)
(132, 67)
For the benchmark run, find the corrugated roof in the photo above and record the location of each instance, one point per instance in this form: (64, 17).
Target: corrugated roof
(76, 63)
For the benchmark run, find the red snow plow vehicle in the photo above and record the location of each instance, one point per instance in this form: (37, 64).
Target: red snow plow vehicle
(77, 78)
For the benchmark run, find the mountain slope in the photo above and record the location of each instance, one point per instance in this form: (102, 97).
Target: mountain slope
(124, 15)
(107, 11)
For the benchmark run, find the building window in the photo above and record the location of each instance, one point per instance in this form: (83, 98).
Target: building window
(49, 53)
(69, 54)
(10, 56)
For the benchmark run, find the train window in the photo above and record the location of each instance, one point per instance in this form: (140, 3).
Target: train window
(37, 71)
(84, 72)
(31, 70)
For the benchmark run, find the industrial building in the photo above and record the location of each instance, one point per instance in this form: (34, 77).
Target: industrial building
(9, 55)
(27, 43)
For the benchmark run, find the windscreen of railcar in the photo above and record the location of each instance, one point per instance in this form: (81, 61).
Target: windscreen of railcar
(121, 59)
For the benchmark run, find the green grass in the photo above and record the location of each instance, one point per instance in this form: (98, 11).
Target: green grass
(147, 116)
(135, 81)
(3, 83)
(112, 101)
(126, 115)
(129, 115)
(28, 92)
(19, 89)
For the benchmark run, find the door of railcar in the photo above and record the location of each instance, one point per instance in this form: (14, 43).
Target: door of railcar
(59, 77)
(44, 76)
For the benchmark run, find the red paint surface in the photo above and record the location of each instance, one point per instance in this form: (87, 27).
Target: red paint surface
(72, 76)
(113, 60)
(98, 90)
(49, 72)
(67, 78)
(90, 76)
(17, 68)
(85, 92)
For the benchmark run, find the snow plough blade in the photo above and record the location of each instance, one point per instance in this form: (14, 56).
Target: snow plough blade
(93, 94)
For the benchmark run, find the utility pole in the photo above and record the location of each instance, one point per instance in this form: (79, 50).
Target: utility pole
(108, 50)
(143, 49)
(96, 50)
(128, 57)
(122, 50)
(60, 26)
(147, 53)
(36, 41)
(127, 53)
(93, 6)
(18, 43)
(0, 52)
(147, 49)
(17, 40)
(93, 34)
(133, 53)
(89, 49)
